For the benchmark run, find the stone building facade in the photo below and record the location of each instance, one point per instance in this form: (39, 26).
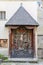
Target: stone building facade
(7, 10)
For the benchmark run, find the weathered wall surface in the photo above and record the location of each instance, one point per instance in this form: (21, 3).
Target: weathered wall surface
(40, 31)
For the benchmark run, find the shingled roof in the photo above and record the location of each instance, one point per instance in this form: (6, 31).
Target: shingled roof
(21, 17)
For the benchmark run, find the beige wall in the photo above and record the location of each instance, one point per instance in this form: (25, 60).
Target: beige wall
(18, 0)
(40, 28)
(40, 20)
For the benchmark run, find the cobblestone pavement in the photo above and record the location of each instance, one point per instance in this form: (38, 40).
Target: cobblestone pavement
(39, 63)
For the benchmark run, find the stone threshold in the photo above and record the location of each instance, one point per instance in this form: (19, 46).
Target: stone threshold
(22, 60)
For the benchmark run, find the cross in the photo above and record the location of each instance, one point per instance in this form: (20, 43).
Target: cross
(21, 4)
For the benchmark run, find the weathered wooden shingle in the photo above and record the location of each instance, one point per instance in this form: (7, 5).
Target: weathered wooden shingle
(21, 17)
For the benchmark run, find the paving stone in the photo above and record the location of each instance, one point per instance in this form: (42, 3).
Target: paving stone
(39, 63)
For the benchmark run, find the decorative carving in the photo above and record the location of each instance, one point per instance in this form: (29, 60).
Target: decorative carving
(22, 42)
(4, 43)
(22, 38)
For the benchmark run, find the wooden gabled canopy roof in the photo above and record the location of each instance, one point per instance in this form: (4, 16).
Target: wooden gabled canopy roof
(21, 17)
